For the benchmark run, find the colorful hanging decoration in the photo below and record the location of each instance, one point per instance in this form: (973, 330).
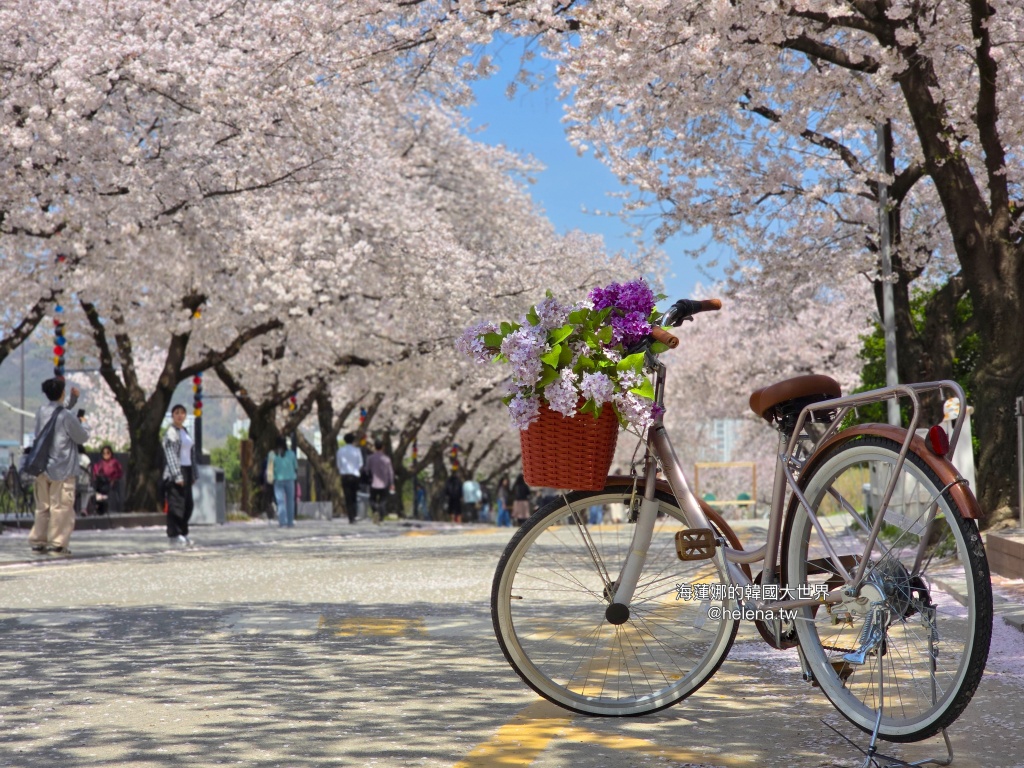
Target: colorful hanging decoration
(415, 452)
(197, 395)
(362, 420)
(454, 453)
(59, 341)
(293, 403)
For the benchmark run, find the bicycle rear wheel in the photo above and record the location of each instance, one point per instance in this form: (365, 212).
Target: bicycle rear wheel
(913, 641)
(548, 606)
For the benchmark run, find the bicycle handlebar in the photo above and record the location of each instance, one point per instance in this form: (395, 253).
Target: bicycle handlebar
(666, 338)
(687, 308)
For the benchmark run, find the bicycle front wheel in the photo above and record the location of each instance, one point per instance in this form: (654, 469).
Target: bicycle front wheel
(911, 641)
(550, 595)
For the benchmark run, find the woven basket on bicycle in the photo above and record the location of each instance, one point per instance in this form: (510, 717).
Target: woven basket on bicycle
(576, 453)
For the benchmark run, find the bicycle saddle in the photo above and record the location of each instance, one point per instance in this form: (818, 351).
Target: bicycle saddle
(765, 401)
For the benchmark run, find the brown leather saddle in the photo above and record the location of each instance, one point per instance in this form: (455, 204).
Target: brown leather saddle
(782, 402)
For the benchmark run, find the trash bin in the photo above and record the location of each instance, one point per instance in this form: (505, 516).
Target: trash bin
(362, 505)
(209, 496)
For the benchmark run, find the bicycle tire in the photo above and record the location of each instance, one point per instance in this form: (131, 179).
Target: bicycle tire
(548, 611)
(933, 648)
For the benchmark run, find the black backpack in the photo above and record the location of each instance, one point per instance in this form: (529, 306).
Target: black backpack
(34, 463)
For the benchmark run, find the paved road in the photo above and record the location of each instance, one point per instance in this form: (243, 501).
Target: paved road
(337, 645)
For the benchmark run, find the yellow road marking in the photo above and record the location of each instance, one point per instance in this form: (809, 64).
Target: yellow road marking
(521, 740)
(353, 626)
(420, 533)
(645, 747)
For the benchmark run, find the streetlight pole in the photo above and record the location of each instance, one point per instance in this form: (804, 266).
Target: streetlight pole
(892, 378)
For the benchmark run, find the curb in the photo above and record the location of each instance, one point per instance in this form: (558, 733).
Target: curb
(1010, 612)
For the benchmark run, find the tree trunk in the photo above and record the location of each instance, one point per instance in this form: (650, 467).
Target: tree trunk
(145, 455)
(327, 473)
(998, 381)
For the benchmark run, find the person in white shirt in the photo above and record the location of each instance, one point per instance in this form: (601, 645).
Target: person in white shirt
(350, 463)
(179, 476)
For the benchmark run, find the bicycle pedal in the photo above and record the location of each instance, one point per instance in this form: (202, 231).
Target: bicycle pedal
(696, 544)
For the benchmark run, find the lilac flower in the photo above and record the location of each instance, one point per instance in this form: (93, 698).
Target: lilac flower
(523, 411)
(630, 328)
(471, 342)
(630, 379)
(636, 410)
(636, 296)
(597, 387)
(551, 313)
(523, 349)
(562, 395)
(602, 298)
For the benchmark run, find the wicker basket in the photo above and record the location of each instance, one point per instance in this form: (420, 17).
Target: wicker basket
(571, 453)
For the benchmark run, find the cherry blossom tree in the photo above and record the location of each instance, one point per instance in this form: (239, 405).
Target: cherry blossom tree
(763, 123)
(763, 348)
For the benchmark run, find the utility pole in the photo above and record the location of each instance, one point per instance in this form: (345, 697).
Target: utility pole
(1020, 458)
(884, 131)
(21, 428)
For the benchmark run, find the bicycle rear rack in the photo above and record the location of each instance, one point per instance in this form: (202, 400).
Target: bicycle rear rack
(842, 406)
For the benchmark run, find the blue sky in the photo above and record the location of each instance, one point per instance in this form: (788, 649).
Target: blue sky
(571, 185)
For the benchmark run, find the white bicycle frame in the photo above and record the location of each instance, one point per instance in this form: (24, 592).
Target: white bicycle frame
(659, 448)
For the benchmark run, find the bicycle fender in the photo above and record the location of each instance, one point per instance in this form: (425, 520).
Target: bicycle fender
(940, 465)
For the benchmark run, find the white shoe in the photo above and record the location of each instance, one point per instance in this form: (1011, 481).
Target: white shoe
(188, 541)
(178, 542)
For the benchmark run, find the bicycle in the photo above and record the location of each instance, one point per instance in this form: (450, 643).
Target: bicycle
(869, 530)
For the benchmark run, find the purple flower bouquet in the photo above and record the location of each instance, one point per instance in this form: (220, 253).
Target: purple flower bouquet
(575, 359)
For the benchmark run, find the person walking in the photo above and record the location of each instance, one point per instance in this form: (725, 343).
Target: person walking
(501, 498)
(106, 474)
(382, 480)
(349, 461)
(286, 472)
(520, 500)
(471, 496)
(55, 487)
(179, 477)
(453, 495)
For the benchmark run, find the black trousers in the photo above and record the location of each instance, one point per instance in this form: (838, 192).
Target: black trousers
(350, 485)
(179, 505)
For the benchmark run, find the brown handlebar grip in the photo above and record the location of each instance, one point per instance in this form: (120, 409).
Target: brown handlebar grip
(666, 338)
(710, 305)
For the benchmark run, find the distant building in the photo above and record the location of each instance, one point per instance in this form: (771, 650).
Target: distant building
(721, 437)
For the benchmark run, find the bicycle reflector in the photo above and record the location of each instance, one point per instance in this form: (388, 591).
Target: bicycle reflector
(938, 441)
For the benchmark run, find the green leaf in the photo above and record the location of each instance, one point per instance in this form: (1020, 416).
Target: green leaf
(589, 407)
(551, 357)
(644, 390)
(585, 364)
(531, 316)
(578, 317)
(493, 340)
(565, 357)
(605, 335)
(560, 334)
(506, 328)
(657, 347)
(548, 374)
(634, 362)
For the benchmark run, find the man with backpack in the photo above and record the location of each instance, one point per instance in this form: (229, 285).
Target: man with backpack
(55, 483)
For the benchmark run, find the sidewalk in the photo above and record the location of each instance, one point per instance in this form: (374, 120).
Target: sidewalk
(1007, 593)
(123, 542)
